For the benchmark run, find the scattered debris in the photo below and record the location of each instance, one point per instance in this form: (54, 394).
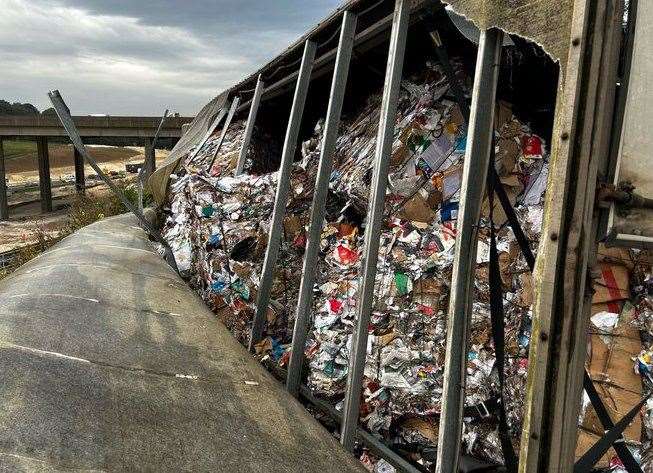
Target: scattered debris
(217, 226)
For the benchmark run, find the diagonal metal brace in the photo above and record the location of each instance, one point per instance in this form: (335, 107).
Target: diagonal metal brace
(67, 121)
(141, 171)
(230, 116)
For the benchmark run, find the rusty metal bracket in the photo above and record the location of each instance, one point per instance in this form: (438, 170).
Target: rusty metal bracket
(623, 195)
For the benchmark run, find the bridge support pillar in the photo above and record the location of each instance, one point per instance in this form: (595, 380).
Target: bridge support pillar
(150, 158)
(4, 204)
(45, 185)
(80, 180)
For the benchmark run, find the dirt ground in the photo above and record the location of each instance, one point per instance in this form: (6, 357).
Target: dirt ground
(61, 156)
(24, 170)
(25, 218)
(25, 222)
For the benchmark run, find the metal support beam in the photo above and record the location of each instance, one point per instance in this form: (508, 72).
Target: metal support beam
(305, 302)
(579, 147)
(230, 116)
(384, 141)
(249, 128)
(366, 39)
(45, 184)
(283, 186)
(67, 121)
(375, 445)
(149, 164)
(80, 179)
(4, 204)
(157, 133)
(479, 143)
(218, 118)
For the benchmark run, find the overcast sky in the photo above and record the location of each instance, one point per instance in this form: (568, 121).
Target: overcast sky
(138, 57)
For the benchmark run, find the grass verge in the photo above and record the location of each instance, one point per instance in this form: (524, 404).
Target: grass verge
(83, 211)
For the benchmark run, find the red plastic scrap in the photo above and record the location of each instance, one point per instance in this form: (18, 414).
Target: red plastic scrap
(346, 255)
(532, 146)
(335, 306)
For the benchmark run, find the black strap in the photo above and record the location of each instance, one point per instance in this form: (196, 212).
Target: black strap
(496, 294)
(622, 450)
(612, 438)
(498, 334)
(524, 243)
(453, 82)
(494, 185)
(493, 177)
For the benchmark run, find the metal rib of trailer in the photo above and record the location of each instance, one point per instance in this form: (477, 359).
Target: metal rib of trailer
(479, 142)
(283, 186)
(304, 304)
(384, 141)
(249, 128)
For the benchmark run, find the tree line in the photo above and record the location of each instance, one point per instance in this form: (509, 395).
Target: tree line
(17, 108)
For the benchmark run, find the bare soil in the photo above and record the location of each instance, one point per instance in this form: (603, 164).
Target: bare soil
(25, 216)
(61, 155)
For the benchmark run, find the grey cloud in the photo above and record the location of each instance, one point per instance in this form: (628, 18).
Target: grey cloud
(208, 17)
(138, 57)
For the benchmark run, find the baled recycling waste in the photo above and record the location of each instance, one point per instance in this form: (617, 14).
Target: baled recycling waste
(217, 226)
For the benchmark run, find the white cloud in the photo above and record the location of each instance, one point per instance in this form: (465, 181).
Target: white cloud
(119, 64)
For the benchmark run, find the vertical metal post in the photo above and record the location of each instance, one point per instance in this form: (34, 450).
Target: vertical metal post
(338, 86)
(218, 118)
(4, 204)
(80, 180)
(149, 163)
(283, 186)
(45, 185)
(69, 125)
(479, 142)
(158, 132)
(384, 141)
(249, 128)
(232, 111)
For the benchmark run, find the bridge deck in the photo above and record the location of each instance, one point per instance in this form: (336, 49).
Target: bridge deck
(108, 361)
(109, 126)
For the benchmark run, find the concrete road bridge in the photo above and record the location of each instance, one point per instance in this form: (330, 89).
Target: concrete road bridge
(41, 129)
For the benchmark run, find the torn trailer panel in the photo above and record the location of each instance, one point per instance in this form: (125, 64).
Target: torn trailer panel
(242, 255)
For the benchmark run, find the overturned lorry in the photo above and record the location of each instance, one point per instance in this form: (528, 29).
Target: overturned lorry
(430, 221)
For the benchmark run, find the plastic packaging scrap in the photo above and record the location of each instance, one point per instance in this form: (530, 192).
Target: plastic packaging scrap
(217, 225)
(619, 350)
